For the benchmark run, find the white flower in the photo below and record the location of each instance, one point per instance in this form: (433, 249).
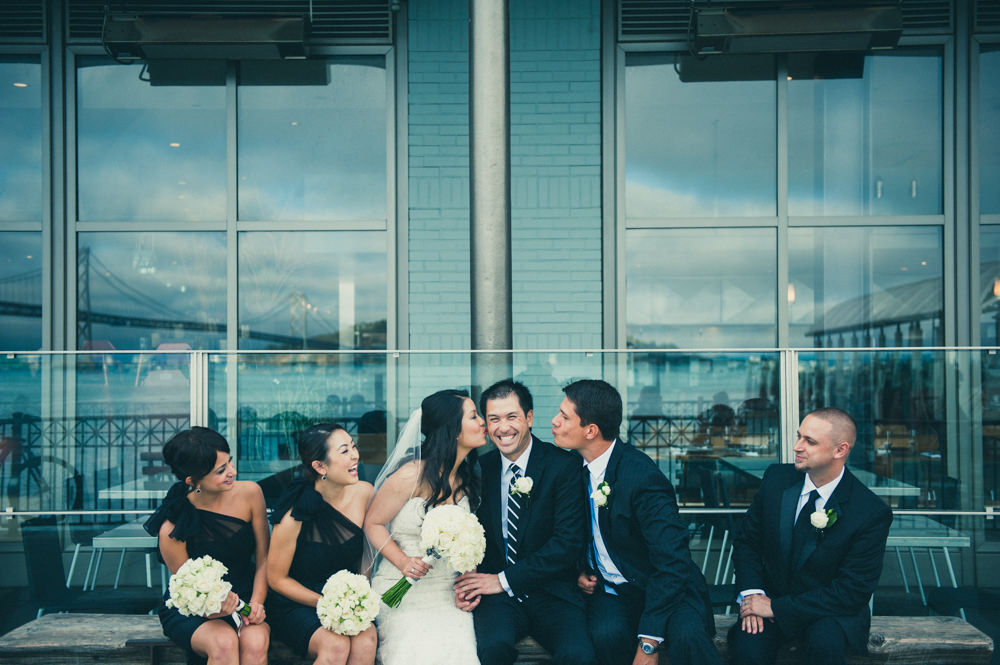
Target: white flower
(819, 519)
(347, 605)
(601, 494)
(197, 588)
(452, 532)
(523, 485)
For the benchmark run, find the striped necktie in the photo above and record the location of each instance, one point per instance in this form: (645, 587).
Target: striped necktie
(513, 515)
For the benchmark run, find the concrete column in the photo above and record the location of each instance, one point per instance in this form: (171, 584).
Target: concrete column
(489, 147)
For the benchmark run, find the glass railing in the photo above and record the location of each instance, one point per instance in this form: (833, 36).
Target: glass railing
(81, 434)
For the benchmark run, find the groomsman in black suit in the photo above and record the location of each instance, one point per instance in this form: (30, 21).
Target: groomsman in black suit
(809, 553)
(534, 517)
(644, 593)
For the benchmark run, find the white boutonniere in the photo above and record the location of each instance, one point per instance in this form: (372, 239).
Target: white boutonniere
(522, 486)
(601, 494)
(823, 519)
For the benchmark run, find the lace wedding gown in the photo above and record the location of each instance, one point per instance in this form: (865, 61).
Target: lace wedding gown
(427, 627)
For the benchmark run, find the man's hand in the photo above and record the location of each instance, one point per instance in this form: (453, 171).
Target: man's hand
(472, 585)
(757, 604)
(587, 583)
(467, 605)
(752, 624)
(642, 658)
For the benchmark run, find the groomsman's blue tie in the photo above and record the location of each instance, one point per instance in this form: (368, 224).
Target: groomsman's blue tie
(800, 531)
(513, 514)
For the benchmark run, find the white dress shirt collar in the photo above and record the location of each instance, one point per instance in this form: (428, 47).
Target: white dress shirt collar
(599, 466)
(521, 463)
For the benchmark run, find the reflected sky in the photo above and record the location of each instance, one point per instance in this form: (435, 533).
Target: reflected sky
(697, 149)
(317, 286)
(21, 284)
(21, 140)
(869, 146)
(989, 129)
(167, 277)
(854, 277)
(312, 152)
(148, 153)
(699, 288)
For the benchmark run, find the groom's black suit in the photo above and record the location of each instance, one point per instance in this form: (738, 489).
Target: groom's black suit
(666, 595)
(553, 528)
(828, 585)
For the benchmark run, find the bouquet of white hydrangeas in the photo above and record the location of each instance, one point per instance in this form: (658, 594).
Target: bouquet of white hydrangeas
(347, 606)
(451, 532)
(197, 588)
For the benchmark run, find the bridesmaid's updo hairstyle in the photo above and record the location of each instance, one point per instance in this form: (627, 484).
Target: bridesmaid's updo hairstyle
(313, 446)
(193, 452)
(441, 423)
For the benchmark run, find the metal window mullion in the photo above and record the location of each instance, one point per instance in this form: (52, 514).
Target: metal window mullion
(789, 401)
(232, 254)
(781, 177)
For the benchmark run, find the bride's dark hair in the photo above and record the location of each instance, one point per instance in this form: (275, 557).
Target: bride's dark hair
(441, 423)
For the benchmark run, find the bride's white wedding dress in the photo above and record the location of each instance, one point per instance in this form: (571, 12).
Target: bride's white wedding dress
(427, 627)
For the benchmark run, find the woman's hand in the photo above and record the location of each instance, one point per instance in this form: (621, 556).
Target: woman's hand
(414, 567)
(229, 606)
(257, 614)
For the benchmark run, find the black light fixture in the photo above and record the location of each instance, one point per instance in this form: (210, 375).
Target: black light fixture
(736, 27)
(204, 37)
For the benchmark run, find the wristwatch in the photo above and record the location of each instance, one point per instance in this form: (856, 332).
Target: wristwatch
(648, 647)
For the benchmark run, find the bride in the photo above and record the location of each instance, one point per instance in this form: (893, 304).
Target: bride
(427, 627)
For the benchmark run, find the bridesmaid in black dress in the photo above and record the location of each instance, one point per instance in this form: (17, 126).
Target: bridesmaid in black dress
(210, 513)
(317, 531)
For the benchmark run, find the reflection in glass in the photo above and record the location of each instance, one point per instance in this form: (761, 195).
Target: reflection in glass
(704, 149)
(316, 150)
(20, 291)
(151, 290)
(699, 288)
(148, 153)
(989, 129)
(312, 290)
(989, 285)
(897, 399)
(710, 421)
(865, 286)
(870, 146)
(21, 140)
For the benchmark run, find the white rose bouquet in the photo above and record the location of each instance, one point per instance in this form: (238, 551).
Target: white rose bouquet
(451, 532)
(347, 606)
(197, 589)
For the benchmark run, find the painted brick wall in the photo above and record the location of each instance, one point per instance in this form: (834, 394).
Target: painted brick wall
(555, 153)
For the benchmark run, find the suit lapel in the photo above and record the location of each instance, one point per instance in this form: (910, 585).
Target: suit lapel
(610, 477)
(786, 518)
(535, 470)
(836, 503)
(491, 488)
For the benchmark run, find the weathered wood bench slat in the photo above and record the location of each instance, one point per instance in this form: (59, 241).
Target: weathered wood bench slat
(117, 639)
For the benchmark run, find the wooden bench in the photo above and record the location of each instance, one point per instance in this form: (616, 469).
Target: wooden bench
(127, 639)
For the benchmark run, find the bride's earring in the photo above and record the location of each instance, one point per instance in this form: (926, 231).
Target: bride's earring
(323, 477)
(197, 490)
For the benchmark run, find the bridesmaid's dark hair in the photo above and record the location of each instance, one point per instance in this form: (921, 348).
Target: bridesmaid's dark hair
(193, 452)
(313, 446)
(441, 423)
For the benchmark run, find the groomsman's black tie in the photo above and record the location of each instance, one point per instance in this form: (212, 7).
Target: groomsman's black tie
(513, 514)
(800, 532)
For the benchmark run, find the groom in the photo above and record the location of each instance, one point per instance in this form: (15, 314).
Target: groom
(533, 513)
(644, 593)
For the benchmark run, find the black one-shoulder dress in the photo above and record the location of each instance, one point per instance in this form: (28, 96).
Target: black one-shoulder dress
(223, 537)
(327, 542)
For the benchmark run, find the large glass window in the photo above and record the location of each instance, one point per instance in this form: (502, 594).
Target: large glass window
(989, 285)
(878, 286)
(868, 146)
(704, 149)
(989, 129)
(21, 140)
(148, 152)
(315, 151)
(20, 291)
(312, 290)
(699, 288)
(151, 290)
